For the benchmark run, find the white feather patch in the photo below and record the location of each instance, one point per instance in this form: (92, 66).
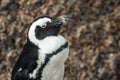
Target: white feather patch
(54, 70)
(47, 46)
(31, 33)
(40, 61)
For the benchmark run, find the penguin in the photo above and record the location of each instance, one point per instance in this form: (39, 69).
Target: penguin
(45, 52)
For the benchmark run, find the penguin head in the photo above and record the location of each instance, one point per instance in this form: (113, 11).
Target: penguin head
(46, 26)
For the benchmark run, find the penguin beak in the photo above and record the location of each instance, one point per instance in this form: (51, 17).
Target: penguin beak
(57, 22)
(63, 18)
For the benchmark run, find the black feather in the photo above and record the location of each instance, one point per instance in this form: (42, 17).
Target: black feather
(26, 61)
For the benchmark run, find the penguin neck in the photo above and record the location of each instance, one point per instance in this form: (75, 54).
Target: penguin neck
(50, 43)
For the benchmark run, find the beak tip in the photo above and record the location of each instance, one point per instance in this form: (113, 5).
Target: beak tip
(64, 18)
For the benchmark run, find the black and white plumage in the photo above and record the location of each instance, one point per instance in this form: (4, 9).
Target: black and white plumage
(44, 53)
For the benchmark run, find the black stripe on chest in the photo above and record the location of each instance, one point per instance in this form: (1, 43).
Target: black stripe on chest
(48, 56)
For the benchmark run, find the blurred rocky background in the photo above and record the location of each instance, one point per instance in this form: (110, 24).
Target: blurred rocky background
(93, 34)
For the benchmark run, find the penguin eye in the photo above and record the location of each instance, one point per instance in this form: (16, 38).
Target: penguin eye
(43, 26)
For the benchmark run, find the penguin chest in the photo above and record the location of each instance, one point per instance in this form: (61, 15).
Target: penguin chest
(54, 69)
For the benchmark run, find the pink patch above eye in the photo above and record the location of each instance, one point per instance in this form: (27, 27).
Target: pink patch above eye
(44, 25)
